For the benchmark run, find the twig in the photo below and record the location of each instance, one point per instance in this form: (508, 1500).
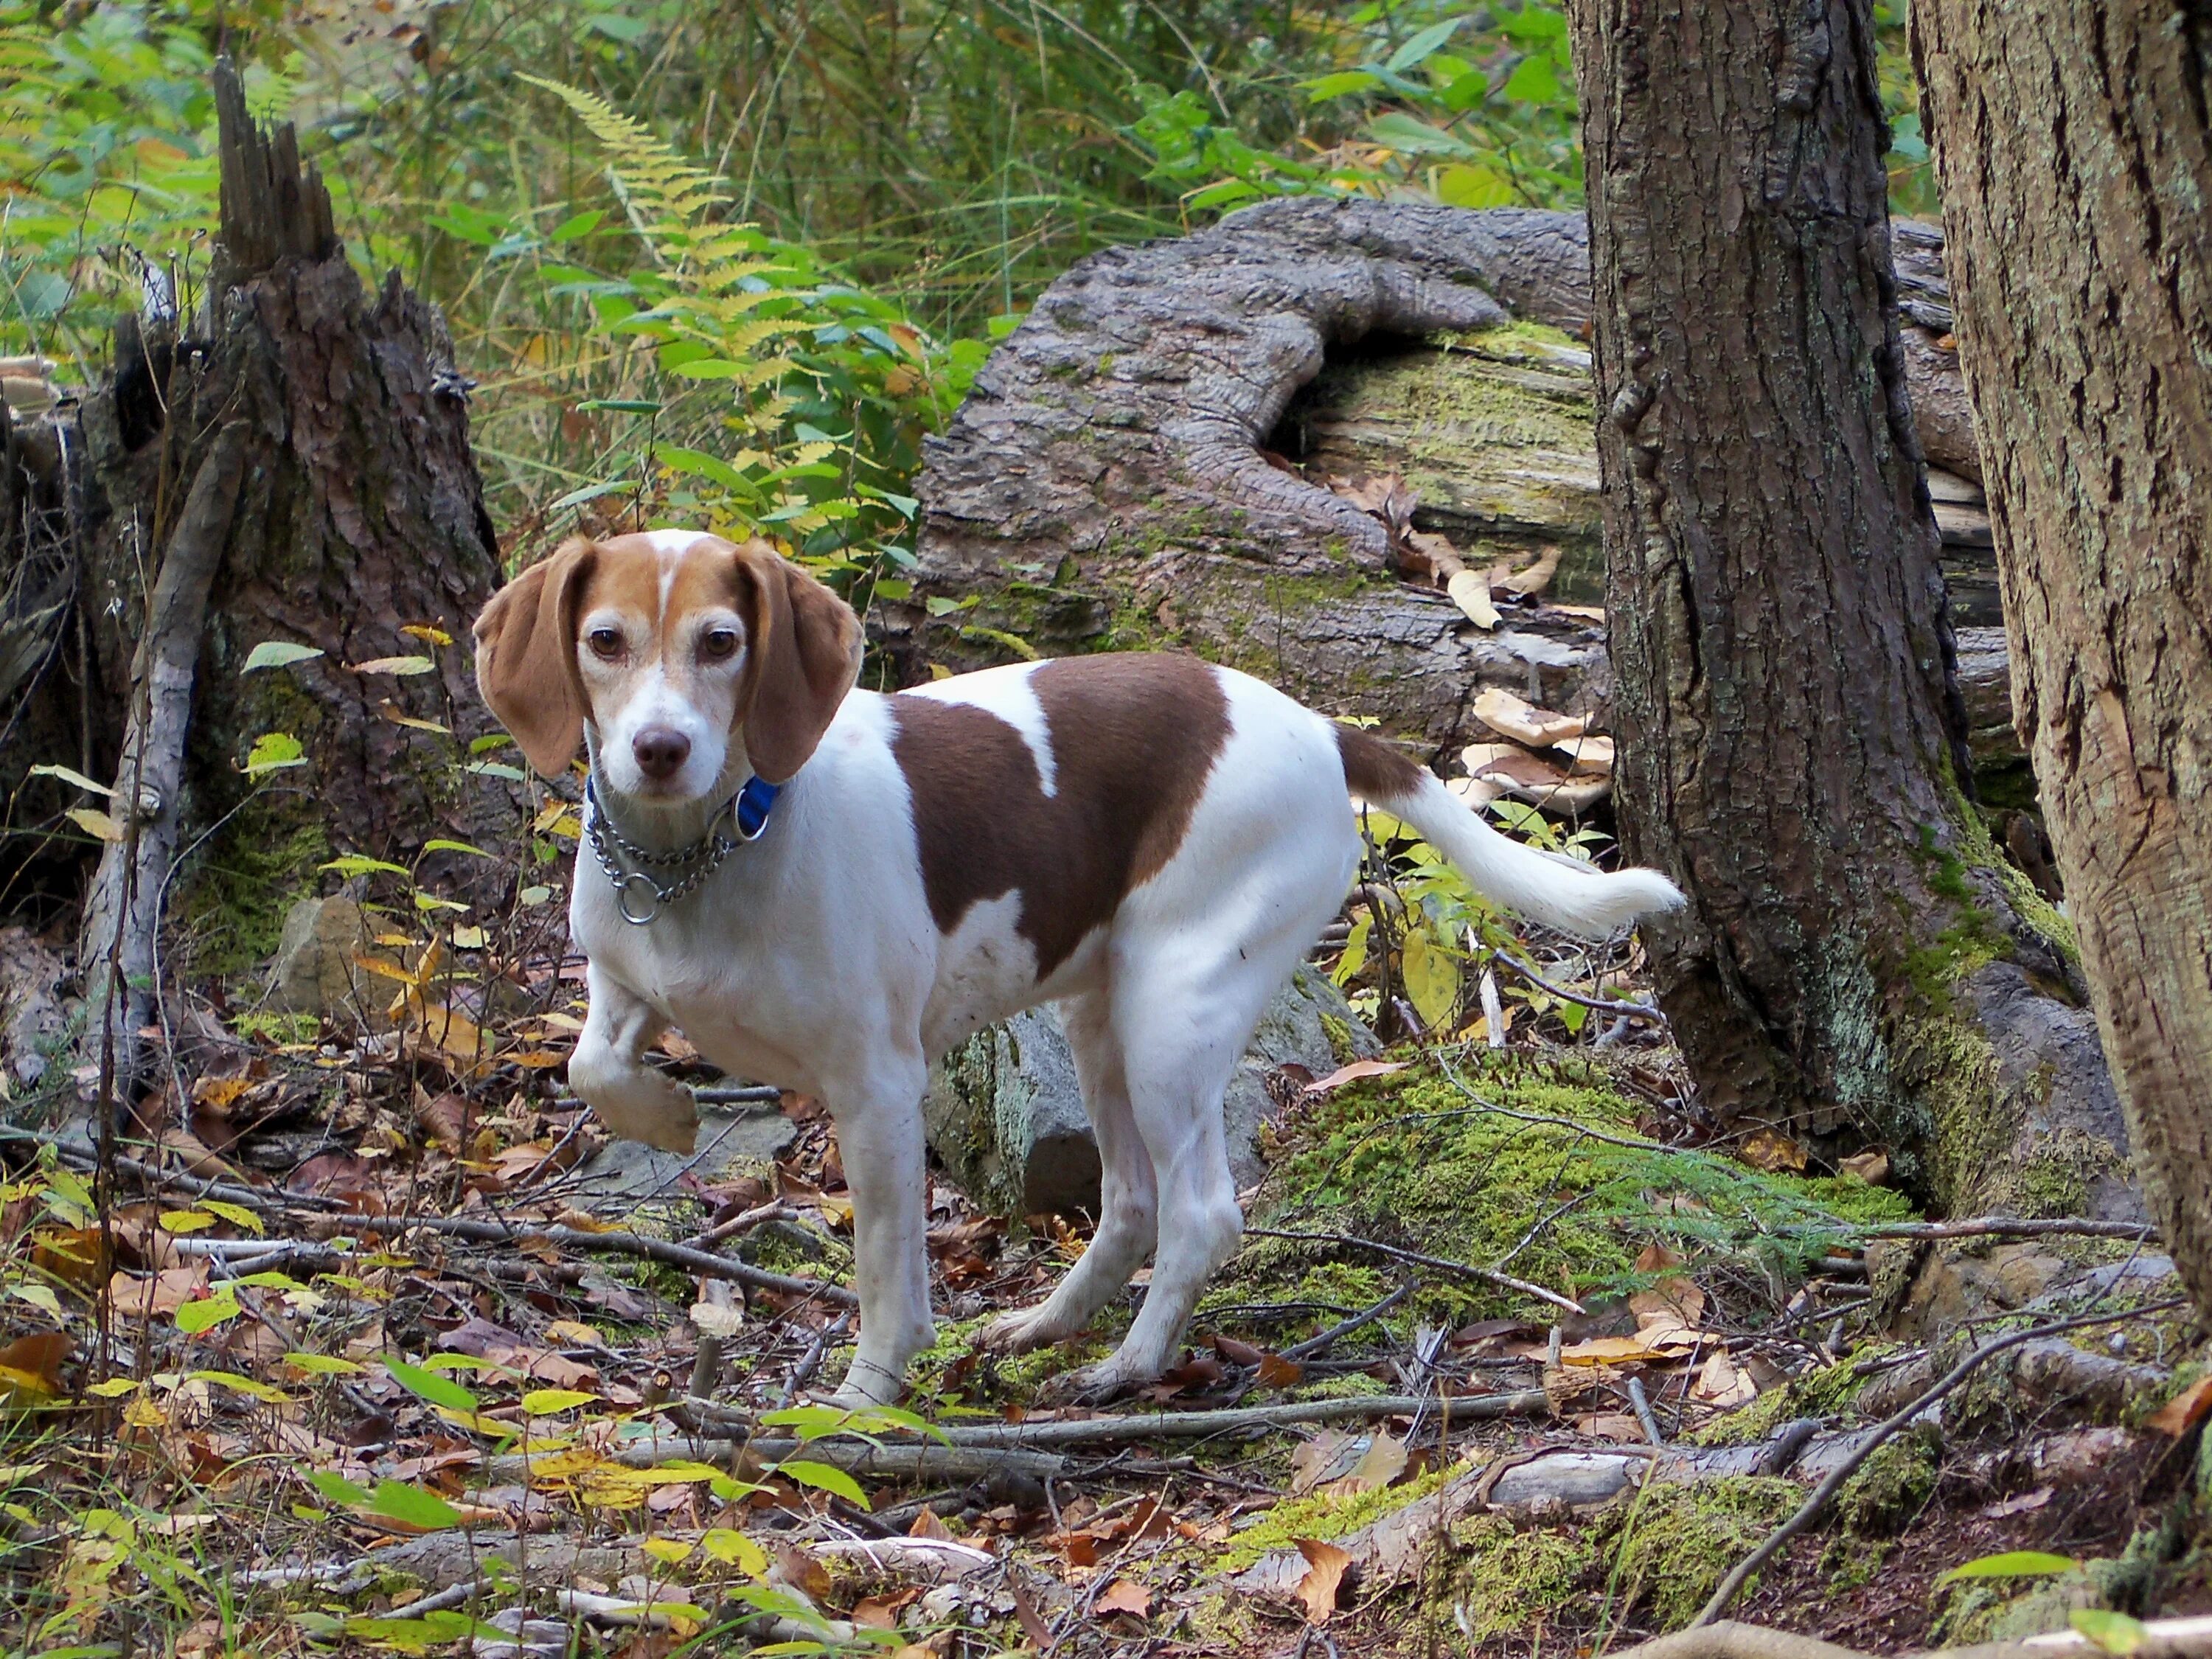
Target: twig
(1810, 1511)
(702, 1262)
(905, 1462)
(811, 1361)
(774, 1210)
(1442, 1264)
(1314, 1345)
(1642, 1402)
(1643, 1011)
(706, 1094)
(437, 1602)
(1729, 1638)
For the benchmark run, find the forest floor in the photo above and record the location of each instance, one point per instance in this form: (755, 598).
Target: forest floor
(393, 1355)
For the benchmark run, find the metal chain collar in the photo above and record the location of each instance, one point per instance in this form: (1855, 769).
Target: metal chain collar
(639, 897)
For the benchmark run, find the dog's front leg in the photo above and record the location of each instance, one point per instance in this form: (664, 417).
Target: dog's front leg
(880, 1138)
(609, 1074)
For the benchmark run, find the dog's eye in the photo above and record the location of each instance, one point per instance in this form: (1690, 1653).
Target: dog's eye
(718, 644)
(605, 642)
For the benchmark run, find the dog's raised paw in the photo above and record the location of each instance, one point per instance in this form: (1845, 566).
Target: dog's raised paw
(1013, 1333)
(1093, 1385)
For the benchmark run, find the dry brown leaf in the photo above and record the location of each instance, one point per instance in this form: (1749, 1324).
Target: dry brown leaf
(2019, 1505)
(1326, 1566)
(927, 1525)
(1277, 1373)
(1425, 554)
(1583, 612)
(1871, 1167)
(1532, 580)
(1031, 1621)
(1237, 1351)
(1470, 591)
(1723, 1385)
(37, 1358)
(1620, 1427)
(1312, 1462)
(2185, 1410)
(1611, 1351)
(1382, 1462)
(158, 1296)
(1353, 1071)
(1125, 1595)
(1768, 1150)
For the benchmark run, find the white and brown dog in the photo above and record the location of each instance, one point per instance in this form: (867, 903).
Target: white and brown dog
(826, 889)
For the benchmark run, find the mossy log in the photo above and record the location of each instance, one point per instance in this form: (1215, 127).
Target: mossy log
(1110, 483)
(356, 527)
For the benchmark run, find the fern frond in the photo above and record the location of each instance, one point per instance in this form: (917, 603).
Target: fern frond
(666, 191)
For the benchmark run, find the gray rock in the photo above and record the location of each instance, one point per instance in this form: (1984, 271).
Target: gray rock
(317, 970)
(1005, 1111)
(632, 1171)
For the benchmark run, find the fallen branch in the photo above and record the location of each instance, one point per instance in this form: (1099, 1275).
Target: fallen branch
(1643, 1010)
(1810, 1511)
(2162, 1638)
(1103, 1431)
(1442, 1264)
(2008, 1226)
(1314, 1345)
(703, 1262)
(905, 1460)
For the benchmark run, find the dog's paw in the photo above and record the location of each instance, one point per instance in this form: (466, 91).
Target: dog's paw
(650, 1109)
(1015, 1332)
(1093, 1385)
(866, 1384)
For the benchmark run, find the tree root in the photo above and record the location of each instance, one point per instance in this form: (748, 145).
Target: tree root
(1729, 1638)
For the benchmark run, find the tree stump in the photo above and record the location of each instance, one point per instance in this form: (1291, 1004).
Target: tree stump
(356, 527)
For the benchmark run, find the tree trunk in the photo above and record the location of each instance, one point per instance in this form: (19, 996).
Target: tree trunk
(1856, 959)
(2075, 154)
(358, 529)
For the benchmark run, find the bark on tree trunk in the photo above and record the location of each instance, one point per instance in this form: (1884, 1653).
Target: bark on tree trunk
(358, 517)
(1857, 959)
(2075, 153)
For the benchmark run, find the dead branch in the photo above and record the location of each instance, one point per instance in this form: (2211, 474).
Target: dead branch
(1643, 1010)
(703, 1262)
(1810, 1511)
(1104, 1430)
(2008, 1226)
(902, 1461)
(2163, 1639)
(1442, 1264)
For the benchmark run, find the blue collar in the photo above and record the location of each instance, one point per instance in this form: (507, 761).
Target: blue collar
(753, 804)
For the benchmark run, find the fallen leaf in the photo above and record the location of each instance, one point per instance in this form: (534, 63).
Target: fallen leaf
(2185, 1410)
(1871, 1167)
(38, 1358)
(1610, 1351)
(1326, 1566)
(1237, 1351)
(1532, 580)
(1032, 1623)
(444, 1119)
(1319, 1459)
(1277, 1373)
(927, 1525)
(1125, 1595)
(1769, 1151)
(1382, 1462)
(2017, 1505)
(158, 1296)
(877, 1612)
(1488, 1331)
(1723, 1385)
(1620, 1427)
(1470, 591)
(1354, 1071)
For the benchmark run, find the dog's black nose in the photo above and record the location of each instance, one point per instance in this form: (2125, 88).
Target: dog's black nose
(660, 752)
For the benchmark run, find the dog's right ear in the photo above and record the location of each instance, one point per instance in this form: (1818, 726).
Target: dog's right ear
(526, 657)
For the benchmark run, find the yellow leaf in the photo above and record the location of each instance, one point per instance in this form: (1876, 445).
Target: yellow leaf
(95, 823)
(671, 1550)
(428, 634)
(1470, 591)
(1432, 977)
(186, 1221)
(143, 1414)
(401, 666)
(1768, 1150)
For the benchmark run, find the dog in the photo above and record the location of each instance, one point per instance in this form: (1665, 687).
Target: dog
(826, 889)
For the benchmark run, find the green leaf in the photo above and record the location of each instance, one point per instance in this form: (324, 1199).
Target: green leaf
(1326, 86)
(733, 1548)
(1432, 977)
(810, 1474)
(1421, 45)
(206, 1313)
(496, 769)
(396, 1501)
(1412, 136)
(441, 845)
(812, 1422)
(582, 225)
(338, 1488)
(592, 492)
(353, 864)
(622, 406)
(278, 654)
(2115, 1632)
(322, 1365)
(2013, 1563)
(1535, 82)
(545, 1403)
(245, 1385)
(429, 1385)
(273, 751)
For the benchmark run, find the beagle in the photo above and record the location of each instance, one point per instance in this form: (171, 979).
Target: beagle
(826, 889)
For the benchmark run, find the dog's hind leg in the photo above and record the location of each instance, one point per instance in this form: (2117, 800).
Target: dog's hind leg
(1128, 1196)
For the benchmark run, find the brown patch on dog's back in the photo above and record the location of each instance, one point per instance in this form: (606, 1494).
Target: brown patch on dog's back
(1132, 738)
(1376, 770)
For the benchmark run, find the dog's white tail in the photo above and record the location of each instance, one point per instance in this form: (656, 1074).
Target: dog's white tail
(1549, 887)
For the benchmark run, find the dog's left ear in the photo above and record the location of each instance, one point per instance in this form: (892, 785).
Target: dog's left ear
(803, 654)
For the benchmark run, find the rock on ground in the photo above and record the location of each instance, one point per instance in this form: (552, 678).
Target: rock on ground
(1005, 1111)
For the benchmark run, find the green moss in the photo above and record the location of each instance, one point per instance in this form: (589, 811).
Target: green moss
(1411, 1159)
(1505, 1581)
(233, 904)
(1681, 1541)
(1892, 1486)
(1821, 1391)
(1325, 1518)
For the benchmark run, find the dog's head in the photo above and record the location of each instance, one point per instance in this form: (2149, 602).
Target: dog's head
(679, 650)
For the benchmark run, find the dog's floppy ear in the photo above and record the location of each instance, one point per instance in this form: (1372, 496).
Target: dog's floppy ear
(526, 657)
(803, 655)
